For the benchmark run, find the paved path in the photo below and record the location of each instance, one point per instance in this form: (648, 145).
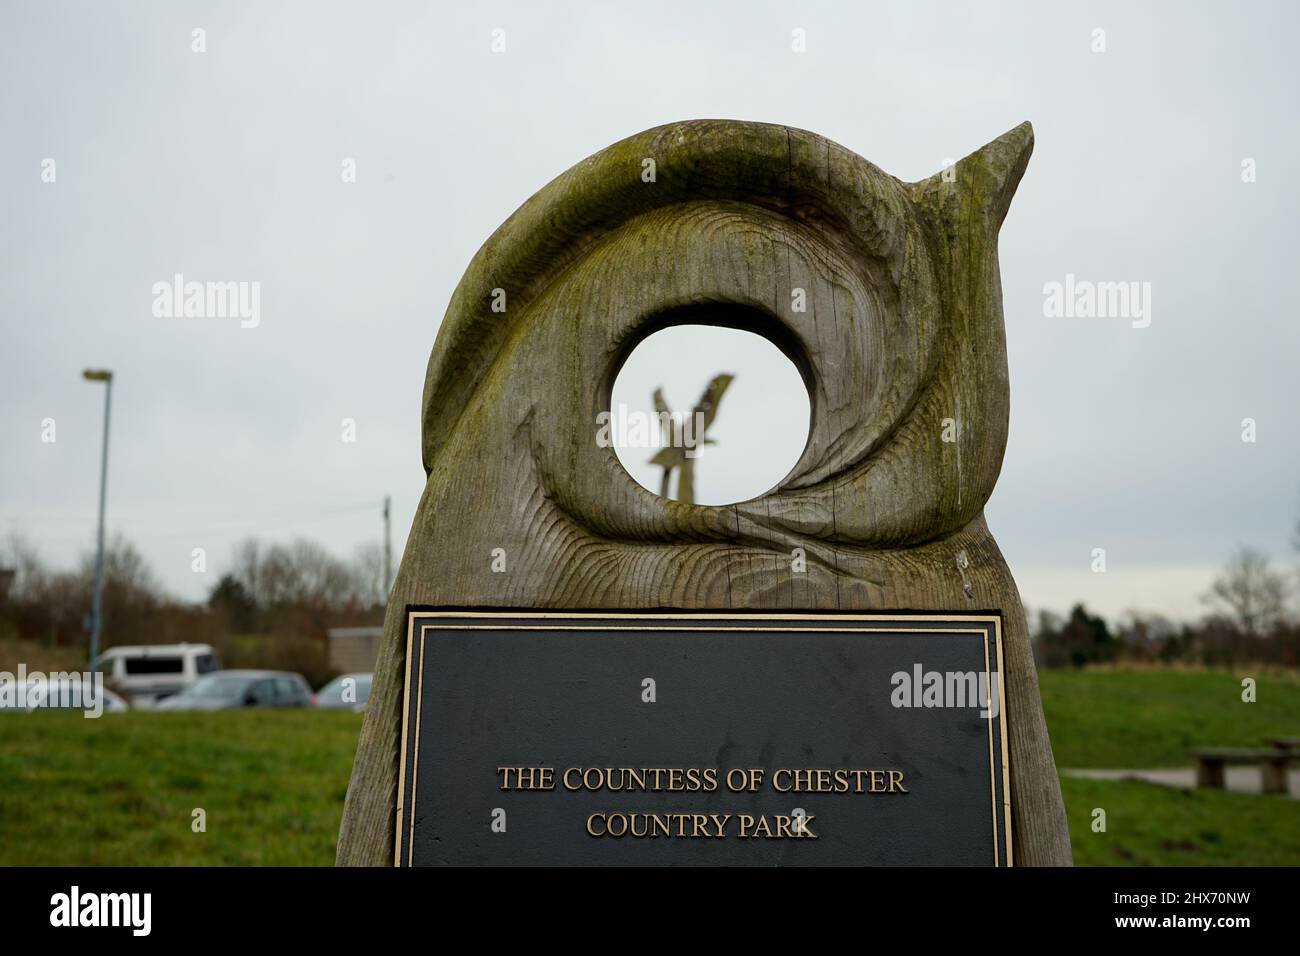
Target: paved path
(1238, 779)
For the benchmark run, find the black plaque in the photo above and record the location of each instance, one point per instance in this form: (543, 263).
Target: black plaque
(890, 769)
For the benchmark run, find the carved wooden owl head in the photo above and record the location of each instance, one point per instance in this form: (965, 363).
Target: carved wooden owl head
(900, 342)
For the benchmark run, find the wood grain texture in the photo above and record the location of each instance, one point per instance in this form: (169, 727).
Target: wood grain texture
(903, 329)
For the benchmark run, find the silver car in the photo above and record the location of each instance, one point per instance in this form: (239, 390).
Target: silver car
(231, 690)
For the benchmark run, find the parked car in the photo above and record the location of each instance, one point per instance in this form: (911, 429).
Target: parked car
(349, 692)
(37, 695)
(229, 690)
(153, 672)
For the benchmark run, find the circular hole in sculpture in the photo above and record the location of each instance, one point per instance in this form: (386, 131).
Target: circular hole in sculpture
(708, 415)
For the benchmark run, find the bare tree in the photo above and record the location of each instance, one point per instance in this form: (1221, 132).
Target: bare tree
(302, 574)
(318, 579)
(246, 568)
(21, 556)
(368, 569)
(125, 569)
(1251, 593)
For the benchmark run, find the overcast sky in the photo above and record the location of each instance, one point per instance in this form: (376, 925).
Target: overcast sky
(227, 165)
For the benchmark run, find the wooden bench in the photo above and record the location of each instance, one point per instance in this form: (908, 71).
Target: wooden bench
(1289, 744)
(1273, 763)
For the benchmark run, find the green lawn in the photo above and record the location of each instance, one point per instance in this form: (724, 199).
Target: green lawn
(121, 790)
(1150, 825)
(1151, 718)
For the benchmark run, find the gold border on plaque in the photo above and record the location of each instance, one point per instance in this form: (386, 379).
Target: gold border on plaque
(898, 620)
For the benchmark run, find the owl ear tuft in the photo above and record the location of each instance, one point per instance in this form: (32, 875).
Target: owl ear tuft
(990, 174)
(1005, 159)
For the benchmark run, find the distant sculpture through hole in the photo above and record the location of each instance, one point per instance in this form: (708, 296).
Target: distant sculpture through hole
(682, 441)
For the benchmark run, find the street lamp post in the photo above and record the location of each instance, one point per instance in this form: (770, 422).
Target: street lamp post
(97, 609)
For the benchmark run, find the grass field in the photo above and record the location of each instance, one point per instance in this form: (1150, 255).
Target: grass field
(1150, 718)
(1150, 825)
(122, 789)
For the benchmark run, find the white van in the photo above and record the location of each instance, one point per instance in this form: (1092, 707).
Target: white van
(150, 672)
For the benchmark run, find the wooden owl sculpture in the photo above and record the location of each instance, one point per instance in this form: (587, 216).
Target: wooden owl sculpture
(886, 295)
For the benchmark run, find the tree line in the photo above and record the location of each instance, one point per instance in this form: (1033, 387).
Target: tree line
(1251, 618)
(272, 603)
